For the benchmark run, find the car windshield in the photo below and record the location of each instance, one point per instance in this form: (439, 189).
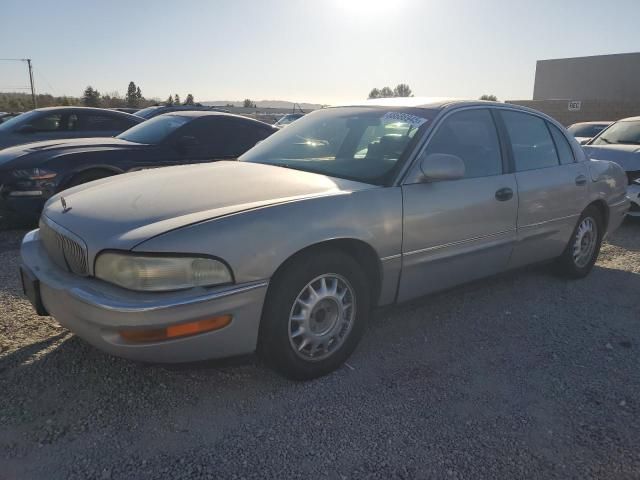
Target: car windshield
(155, 130)
(365, 144)
(288, 119)
(12, 122)
(587, 129)
(626, 132)
(146, 112)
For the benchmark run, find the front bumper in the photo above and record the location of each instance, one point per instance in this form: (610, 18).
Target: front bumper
(633, 194)
(95, 311)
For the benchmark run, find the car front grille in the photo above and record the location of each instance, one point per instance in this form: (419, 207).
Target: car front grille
(64, 250)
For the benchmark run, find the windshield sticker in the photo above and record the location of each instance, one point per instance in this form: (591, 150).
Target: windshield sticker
(413, 120)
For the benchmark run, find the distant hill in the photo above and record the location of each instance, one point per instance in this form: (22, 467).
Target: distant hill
(264, 104)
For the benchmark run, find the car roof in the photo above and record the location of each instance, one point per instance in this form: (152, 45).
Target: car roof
(630, 119)
(210, 113)
(88, 109)
(598, 122)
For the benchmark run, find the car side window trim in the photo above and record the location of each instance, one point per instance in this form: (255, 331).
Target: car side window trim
(550, 126)
(508, 164)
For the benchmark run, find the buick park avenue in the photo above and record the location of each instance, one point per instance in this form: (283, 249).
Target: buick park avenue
(287, 250)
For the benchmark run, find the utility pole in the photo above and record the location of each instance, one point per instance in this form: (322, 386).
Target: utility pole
(33, 88)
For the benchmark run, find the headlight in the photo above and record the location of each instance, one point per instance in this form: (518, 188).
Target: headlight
(34, 174)
(159, 273)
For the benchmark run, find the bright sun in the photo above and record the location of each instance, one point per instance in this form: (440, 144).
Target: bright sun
(368, 8)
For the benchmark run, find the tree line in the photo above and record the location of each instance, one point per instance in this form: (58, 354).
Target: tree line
(401, 90)
(91, 97)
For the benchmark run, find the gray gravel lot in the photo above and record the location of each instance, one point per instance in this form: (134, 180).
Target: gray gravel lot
(521, 376)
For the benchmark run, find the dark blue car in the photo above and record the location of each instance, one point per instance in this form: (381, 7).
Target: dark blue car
(31, 173)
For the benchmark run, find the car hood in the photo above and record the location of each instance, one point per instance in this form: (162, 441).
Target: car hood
(22, 155)
(122, 211)
(627, 156)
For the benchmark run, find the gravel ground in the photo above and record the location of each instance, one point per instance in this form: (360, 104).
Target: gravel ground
(521, 376)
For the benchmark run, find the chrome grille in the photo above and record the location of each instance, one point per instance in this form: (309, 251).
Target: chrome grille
(65, 251)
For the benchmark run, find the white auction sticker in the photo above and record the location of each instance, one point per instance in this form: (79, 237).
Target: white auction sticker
(413, 120)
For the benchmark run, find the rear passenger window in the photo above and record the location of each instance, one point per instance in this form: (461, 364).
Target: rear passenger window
(470, 135)
(96, 122)
(562, 145)
(531, 142)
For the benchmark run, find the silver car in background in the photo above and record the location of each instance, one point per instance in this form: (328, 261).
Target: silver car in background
(620, 143)
(585, 131)
(287, 250)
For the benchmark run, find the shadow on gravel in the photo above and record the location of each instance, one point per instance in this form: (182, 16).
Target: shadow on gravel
(627, 235)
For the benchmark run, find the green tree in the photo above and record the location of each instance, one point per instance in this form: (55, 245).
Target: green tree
(91, 97)
(491, 98)
(139, 95)
(169, 101)
(131, 97)
(402, 90)
(386, 92)
(374, 93)
(248, 103)
(176, 99)
(189, 100)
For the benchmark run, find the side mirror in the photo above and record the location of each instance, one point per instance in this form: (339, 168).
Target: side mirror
(186, 142)
(26, 129)
(441, 166)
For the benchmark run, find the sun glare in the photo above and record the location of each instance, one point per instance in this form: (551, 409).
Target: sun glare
(369, 8)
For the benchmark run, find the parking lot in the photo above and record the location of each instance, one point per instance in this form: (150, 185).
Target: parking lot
(522, 376)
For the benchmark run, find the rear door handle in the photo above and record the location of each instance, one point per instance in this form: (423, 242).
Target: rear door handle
(581, 180)
(504, 194)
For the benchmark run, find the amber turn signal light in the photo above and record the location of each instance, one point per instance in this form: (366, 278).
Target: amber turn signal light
(176, 331)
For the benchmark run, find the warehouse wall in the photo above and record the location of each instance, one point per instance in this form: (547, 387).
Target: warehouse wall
(590, 110)
(602, 77)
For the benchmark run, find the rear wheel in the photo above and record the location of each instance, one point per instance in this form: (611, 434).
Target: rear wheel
(314, 315)
(582, 251)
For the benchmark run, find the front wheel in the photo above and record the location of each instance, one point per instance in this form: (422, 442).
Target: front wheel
(582, 251)
(314, 315)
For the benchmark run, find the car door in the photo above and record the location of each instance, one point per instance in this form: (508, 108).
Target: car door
(455, 231)
(551, 192)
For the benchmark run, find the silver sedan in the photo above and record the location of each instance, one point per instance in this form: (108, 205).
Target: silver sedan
(287, 250)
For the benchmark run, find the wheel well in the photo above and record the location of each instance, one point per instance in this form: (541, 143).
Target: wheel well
(75, 175)
(602, 206)
(360, 251)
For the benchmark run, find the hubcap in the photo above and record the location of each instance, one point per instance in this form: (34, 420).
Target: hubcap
(322, 317)
(585, 242)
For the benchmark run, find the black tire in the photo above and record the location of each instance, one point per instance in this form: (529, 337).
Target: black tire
(568, 265)
(88, 176)
(274, 343)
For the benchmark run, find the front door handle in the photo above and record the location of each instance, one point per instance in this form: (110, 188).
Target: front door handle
(581, 180)
(504, 194)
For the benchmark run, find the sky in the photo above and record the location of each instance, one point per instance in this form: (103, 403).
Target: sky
(320, 51)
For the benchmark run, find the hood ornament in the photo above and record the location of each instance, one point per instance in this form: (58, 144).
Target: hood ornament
(65, 209)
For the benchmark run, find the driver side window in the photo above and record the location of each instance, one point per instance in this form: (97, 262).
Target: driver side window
(472, 136)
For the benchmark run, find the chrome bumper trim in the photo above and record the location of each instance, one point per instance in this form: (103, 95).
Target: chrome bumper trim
(113, 305)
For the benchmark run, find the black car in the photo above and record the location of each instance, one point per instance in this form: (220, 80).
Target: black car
(156, 110)
(31, 173)
(53, 123)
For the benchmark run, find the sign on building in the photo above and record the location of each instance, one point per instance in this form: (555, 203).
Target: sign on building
(575, 105)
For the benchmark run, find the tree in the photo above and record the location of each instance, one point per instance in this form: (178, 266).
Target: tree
(189, 100)
(139, 94)
(402, 90)
(386, 92)
(169, 101)
(248, 103)
(132, 95)
(374, 93)
(91, 97)
(176, 99)
(491, 98)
